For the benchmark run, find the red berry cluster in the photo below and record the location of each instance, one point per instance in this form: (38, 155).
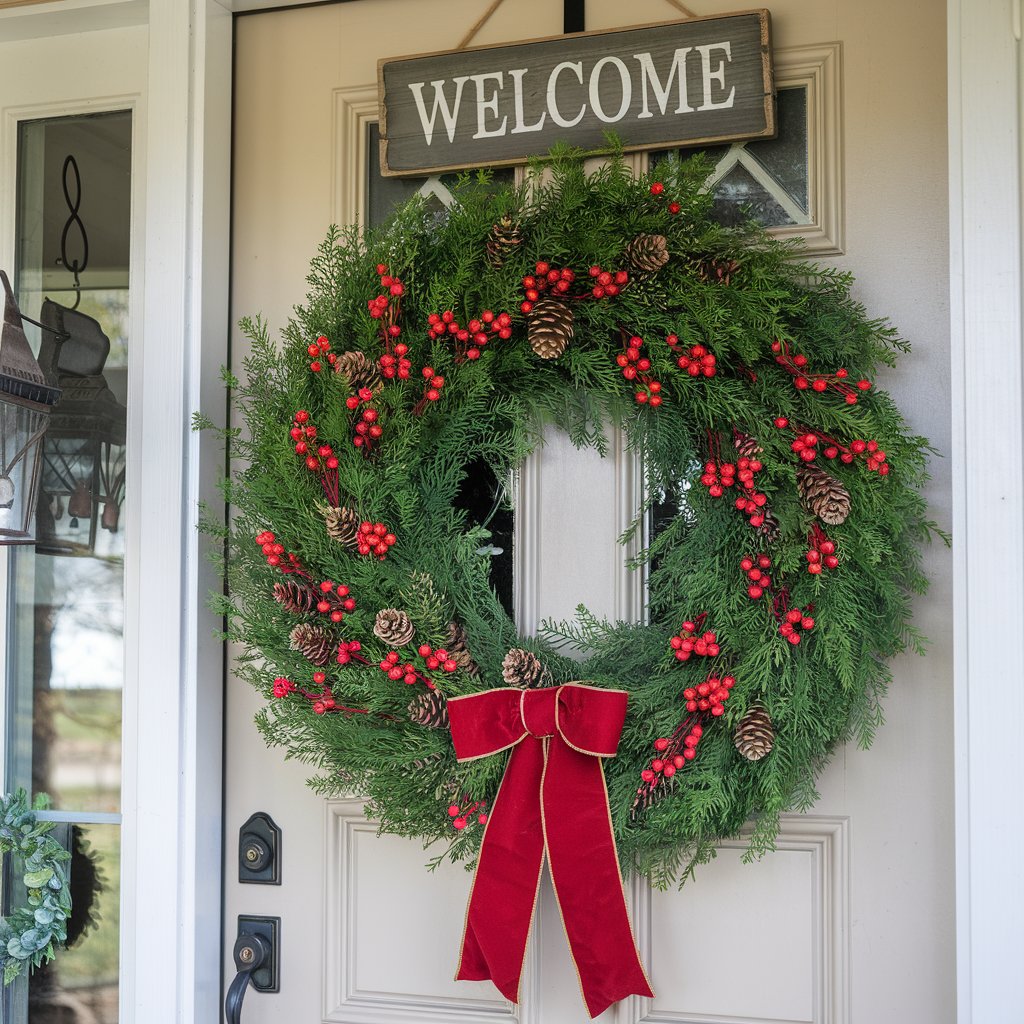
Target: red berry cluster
(821, 552)
(275, 553)
(395, 364)
(321, 348)
(348, 650)
(557, 280)
(319, 458)
(322, 700)
(393, 667)
(374, 539)
(387, 307)
(697, 361)
(868, 450)
(367, 432)
(752, 502)
(607, 283)
(469, 340)
(806, 446)
(666, 762)
(461, 813)
(754, 566)
(802, 379)
(635, 367)
(689, 641)
(796, 622)
(432, 386)
(335, 601)
(437, 659)
(410, 674)
(657, 190)
(710, 695)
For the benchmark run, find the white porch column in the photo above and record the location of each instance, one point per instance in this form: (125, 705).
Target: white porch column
(172, 801)
(985, 261)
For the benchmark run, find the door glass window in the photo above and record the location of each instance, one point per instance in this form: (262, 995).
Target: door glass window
(65, 664)
(766, 179)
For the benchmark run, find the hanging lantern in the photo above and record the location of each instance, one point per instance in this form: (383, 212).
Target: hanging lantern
(84, 451)
(25, 402)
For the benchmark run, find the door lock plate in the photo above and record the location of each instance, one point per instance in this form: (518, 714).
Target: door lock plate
(265, 977)
(259, 851)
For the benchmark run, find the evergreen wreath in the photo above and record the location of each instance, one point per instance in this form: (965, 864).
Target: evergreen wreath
(740, 375)
(28, 933)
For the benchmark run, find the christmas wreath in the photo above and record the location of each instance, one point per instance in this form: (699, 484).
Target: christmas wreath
(360, 592)
(28, 933)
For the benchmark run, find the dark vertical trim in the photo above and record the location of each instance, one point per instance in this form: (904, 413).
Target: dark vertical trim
(574, 15)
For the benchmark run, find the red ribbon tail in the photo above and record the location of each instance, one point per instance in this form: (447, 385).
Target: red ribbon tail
(587, 879)
(504, 892)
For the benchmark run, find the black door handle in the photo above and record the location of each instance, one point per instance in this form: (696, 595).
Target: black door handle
(256, 961)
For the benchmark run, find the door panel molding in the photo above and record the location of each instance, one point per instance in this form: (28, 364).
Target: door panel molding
(824, 843)
(352, 896)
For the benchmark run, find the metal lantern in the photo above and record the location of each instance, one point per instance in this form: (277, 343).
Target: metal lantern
(25, 402)
(83, 475)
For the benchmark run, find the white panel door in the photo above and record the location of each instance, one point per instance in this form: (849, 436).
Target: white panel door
(852, 917)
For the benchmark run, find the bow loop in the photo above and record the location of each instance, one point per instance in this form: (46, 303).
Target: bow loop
(552, 800)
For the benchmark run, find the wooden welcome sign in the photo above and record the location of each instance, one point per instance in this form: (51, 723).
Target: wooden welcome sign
(677, 84)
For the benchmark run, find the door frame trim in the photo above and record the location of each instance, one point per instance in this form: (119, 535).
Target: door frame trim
(985, 181)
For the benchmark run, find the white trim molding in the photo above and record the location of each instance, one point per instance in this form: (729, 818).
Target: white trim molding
(819, 70)
(345, 1002)
(827, 841)
(985, 137)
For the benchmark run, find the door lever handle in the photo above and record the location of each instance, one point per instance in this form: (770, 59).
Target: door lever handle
(256, 961)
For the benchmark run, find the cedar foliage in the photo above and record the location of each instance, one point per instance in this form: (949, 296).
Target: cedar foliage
(825, 691)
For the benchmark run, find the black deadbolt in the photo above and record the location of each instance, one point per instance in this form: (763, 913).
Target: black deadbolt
(259, 851)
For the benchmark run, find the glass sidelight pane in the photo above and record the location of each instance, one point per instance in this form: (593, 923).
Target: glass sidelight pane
(81, 985)
(65, 610)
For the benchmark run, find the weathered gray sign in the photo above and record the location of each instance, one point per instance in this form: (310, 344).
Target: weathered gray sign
(697, 81)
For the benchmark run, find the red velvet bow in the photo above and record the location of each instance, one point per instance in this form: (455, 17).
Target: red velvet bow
(552, 798)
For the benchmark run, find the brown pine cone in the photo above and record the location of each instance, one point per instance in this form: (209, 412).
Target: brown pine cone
(505, 237)
(429, 709)
(458, 649)
(394, 627)
(770, 528)
(717, 271)
(315, 642)
(647, 254)
(359, 370)
(746, 445)
(342, 525)
(550, 328)
(822, 494)
(295, 597)
(522, 668)
(754, 736)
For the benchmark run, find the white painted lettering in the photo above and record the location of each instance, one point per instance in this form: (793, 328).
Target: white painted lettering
(649, 74)
(718, 75)
(553, 86)
(488, 105)
(595, 89)
(517, 91)
(449, 115)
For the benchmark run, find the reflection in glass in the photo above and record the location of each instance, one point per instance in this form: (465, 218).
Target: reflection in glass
(81, 985)
(65, 671)
(765, 179)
